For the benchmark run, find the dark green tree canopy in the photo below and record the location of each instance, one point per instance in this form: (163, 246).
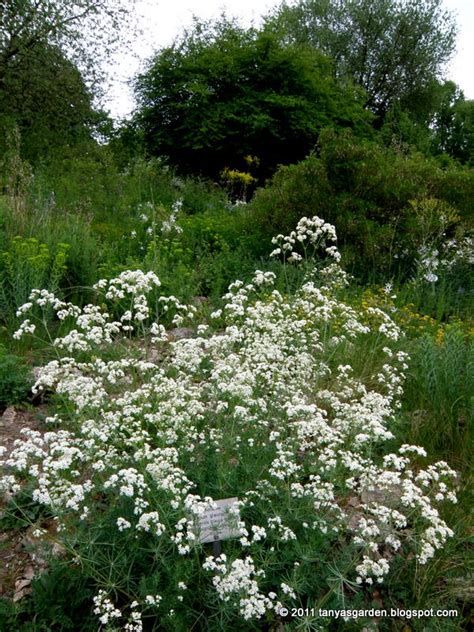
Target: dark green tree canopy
(453, 125)
(394, 49)
(45, 97)
(222, 93)
(50, 64)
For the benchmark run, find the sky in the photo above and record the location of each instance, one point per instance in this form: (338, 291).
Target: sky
(162, 20)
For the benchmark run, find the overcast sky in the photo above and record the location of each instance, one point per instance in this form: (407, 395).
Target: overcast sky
(162, 20)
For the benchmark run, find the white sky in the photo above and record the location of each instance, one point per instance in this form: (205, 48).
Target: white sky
(162, 20)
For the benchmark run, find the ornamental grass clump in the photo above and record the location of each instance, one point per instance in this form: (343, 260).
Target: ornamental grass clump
(269, 410)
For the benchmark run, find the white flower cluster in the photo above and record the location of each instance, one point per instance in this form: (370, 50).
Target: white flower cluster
(181, 310)
(107, 612)
(312, 232)
(431, 258)
(170, 224)
(428, 263)
(155, 222)
(105, 609)
(95, 326)
(238, 581)
(270, 387)
(369, 569)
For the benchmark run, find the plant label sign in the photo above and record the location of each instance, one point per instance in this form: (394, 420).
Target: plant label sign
(220, 522)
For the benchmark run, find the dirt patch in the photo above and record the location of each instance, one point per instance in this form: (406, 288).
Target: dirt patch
(23, 550)
(13, 420)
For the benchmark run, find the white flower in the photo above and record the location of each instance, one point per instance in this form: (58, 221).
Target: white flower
(431, 277)
(123, 524)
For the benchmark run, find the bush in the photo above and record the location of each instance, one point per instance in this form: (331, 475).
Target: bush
(371, 194)
(222, 94)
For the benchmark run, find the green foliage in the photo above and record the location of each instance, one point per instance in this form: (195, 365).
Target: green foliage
(199, 254)
(81, 179)
(222, 93)
(437, 121)
(16, 174)
(392, 49)
(46, 97)
(86, 30)
(27, 265)
(454, 125)
(448, 299)
(15, 379)
(440, 391)
(370, 193)
(221, 246)
(50, 54)
(52, 226)
(60, 600)
(88, 181)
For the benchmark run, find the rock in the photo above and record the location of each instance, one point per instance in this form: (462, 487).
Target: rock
(388, 497)
(8, 416)
(354, 506)
(153, 355)
(180, 333)
(29, 572)
(19, 594)
(200, 300)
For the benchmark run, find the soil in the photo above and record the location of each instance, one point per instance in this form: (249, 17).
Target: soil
(23, 553)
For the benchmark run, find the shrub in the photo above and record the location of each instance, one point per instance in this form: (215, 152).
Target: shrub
(251, 95)
(373, 195)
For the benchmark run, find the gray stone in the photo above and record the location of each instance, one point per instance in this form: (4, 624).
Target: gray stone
(180, 333)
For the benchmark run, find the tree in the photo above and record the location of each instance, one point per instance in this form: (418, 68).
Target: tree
(84, 30)
(394, 49)
(454, 125)
(221, 94)
(50, 67)
(45, 97)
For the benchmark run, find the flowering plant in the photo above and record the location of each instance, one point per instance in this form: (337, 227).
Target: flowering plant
(275, 410)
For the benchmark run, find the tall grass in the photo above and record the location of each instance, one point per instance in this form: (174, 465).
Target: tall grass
(439, 396)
